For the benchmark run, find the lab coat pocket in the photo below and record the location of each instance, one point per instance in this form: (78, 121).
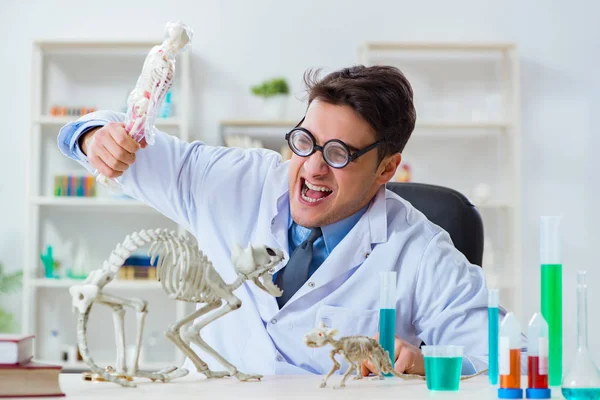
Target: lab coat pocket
(347, 322)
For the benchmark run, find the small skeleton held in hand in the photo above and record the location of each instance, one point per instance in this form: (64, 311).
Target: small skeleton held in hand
(355, 350)
(187, 275)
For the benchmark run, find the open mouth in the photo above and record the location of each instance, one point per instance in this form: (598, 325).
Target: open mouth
(313, 193)
(310, 343)
(265, 282)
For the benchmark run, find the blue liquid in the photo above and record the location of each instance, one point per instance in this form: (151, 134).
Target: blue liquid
(581, 394)
(387, 331)
(493, 344)
(443, 373)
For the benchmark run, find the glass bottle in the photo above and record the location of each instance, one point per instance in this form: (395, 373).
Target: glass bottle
(583, 378)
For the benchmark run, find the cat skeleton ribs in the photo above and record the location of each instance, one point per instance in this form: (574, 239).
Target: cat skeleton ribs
(186, 274)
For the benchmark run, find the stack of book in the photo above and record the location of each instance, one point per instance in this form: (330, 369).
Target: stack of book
(20, 376)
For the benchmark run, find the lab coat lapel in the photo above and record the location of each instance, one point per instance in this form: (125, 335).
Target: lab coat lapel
(354, 249)
(273, 228)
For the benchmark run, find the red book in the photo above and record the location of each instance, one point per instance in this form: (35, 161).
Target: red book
(15, 349)
(30, 380)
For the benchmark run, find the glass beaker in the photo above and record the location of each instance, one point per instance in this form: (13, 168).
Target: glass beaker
(442, 366)
(583, 379)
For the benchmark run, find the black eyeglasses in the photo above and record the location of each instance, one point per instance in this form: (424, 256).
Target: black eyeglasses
(335, 152)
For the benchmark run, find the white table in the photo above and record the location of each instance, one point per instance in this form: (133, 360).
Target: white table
(276, 387)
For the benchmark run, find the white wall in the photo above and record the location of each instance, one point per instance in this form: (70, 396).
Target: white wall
(237, 43)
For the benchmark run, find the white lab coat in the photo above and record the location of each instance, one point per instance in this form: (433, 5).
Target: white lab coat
(226, 195)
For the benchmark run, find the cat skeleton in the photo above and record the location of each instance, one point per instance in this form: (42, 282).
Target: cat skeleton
(187, 275)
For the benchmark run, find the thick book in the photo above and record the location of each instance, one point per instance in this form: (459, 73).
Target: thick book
(30, 380)
(15, 349)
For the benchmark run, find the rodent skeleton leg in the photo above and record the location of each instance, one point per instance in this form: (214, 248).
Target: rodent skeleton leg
(335, 367)
(351, 368)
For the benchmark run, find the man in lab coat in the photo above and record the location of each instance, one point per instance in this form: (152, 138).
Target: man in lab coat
(345, 149)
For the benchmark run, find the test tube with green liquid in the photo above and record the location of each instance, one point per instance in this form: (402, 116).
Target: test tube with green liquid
(551, 290)
(387, 313)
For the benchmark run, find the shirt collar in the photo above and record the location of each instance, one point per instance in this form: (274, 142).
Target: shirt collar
(332, 233)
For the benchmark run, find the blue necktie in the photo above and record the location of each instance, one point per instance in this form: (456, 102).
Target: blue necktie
(295, 273)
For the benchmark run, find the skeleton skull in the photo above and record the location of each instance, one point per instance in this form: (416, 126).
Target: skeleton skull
(318, 336)
(178, 35)
(254, 262)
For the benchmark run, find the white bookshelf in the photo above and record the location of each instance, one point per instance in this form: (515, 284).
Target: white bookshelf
(96, 74)
(467, 133)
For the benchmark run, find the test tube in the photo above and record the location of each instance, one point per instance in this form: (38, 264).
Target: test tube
(493, 301)
(510, 358)
(537, 359)
(387, 313)
(551, 280)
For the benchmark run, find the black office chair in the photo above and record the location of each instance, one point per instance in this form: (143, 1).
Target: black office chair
(450, 210)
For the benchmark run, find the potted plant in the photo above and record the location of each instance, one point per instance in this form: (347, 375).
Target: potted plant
(8, 283)
(275, 93)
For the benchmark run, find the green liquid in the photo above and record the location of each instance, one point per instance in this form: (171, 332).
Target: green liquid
(443, 373)
(387, 332)
(552, 312)
(581, 394)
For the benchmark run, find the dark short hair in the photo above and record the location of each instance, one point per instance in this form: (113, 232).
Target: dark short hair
(381, 95)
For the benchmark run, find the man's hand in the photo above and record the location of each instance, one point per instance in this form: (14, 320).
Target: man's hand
(110, 149)
(408, 359)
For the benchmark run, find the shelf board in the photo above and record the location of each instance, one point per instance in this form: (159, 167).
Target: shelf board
(116, 284)
(50, 120)
(250, 123)
(462, 125)
(86, 44)
(419, 124)
(439, 46)
(98, 203)
(72, 201)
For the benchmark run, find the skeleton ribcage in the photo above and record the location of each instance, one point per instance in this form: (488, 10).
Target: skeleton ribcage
(182, 268)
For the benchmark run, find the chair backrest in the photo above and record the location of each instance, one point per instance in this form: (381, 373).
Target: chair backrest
(451, 211)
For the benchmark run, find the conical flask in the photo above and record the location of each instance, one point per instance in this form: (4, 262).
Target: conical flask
(583, 379)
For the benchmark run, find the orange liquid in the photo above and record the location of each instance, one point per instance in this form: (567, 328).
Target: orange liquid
(513, 380)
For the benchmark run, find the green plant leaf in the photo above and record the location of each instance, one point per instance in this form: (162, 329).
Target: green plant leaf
(7, 323)
(271, 88)
(11, 282)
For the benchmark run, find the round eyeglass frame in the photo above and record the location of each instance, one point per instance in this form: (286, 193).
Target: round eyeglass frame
(351, 156)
